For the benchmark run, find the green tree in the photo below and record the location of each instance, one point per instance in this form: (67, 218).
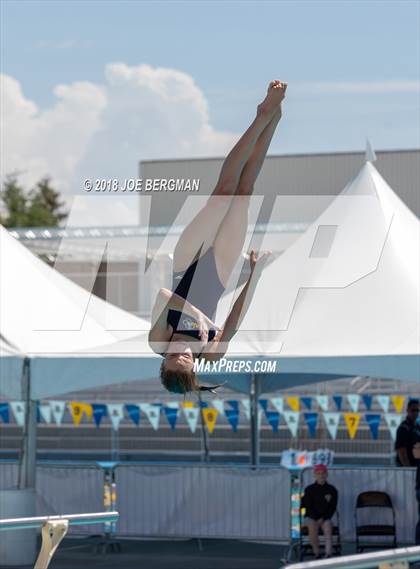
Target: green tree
(45, 207)
(41, 207)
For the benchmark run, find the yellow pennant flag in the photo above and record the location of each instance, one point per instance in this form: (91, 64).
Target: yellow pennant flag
(293, 403)
(210, 417)
(188, 404)
(352, 423)
(78, 409)
(398, 401)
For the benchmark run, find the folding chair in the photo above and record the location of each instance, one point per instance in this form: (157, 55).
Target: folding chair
(366, 532)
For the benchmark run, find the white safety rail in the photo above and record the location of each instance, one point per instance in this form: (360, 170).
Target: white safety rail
(54, 528)
(399, 483)
(385, 559)
(204, 501)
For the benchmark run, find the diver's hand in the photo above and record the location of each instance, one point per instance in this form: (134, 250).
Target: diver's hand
(257, 263)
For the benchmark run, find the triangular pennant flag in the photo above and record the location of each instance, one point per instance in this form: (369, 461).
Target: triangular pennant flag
(78, 409)
(373, 420)
(171, 413)
(322, 401)
(116, 414)
(264, 404)
(393, 421)
(18, 410)
(293, 402)
(277, 403)
(367, 400)
(398, 402)
(4, 412)
(232, 416)
(307, 401)
(273, 417)
(247, 408)
(292, 421)
(210, 418)
(352, 423)
(311, 420)
(99, 411)
(57, 409)
(234, 404)
(354, 400)
(219, 405)
(191, 416)
(133, 412)
(338, 400)
(331, 421)
(383, 401)
(45, 412)
(152, 412)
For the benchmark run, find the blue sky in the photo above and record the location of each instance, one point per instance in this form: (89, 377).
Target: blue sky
(352, 68)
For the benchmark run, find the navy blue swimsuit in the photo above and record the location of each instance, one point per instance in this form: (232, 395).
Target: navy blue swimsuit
(201, 286)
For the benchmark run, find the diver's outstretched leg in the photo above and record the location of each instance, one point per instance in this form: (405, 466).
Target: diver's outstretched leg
(231, 235)
(203, 228)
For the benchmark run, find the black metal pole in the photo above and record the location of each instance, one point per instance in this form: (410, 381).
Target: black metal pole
(255, 435)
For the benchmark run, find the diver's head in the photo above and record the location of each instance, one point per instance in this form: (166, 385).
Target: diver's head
(177, 369)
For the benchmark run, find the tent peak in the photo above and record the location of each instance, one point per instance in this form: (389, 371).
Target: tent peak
(370, 155)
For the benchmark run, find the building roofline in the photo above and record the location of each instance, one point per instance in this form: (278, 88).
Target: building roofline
(301, 155)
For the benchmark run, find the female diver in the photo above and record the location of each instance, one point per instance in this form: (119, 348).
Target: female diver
(204, 257)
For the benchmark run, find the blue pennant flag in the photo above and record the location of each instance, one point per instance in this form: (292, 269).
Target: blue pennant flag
(273, 417)
(4, 412)
(99, 411)
(264, 404)
(133, 412)
(232, 416)
(307, 401)
(367, 400)
(171, 415)
(338, 400)
(311, 420)
(234, 404)
(373, 420)
(203, 404)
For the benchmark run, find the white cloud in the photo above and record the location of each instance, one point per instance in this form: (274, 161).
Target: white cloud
(103, 131)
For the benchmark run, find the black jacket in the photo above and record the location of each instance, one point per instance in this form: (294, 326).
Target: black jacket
(320, 501)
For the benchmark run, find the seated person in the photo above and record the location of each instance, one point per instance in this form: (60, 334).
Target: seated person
(320, 502)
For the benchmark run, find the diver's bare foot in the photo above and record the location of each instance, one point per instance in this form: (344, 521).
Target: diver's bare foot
(275, 94)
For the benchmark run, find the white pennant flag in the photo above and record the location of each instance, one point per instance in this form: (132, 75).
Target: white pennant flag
(45, 412)
(219, 405)
(331, 421)
(116, 414)
(354, 400)
(322, 401)
(247, 408)
(152, 412)
(18, 409)
(292, 421)
(57, 409)
(383, 401)
(277, 403)
(191, 416)
(393, 421)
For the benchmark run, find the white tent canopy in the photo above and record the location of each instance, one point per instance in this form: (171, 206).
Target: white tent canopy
(343, 300)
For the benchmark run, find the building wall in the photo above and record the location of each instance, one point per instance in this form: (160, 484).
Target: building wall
(308, 175)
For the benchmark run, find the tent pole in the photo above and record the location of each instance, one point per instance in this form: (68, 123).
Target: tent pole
(255, 434)
(27, 466)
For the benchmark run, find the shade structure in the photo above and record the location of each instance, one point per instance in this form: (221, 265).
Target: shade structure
(58, 326)
(344, 298)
